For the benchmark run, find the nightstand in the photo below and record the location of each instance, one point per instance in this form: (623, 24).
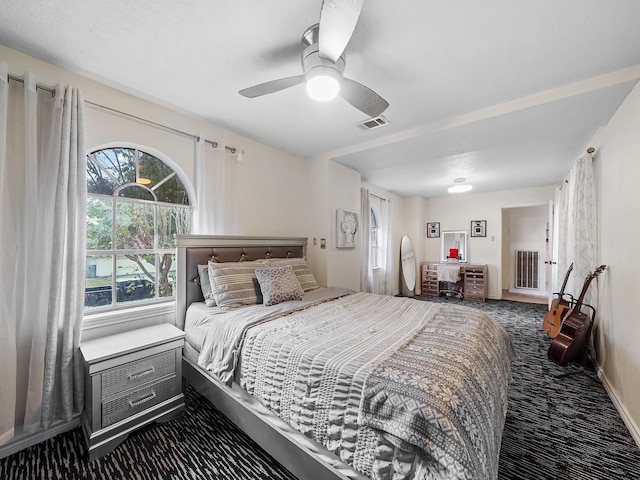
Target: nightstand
(132, 379)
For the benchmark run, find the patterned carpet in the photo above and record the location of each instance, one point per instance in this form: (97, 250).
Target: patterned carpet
(556, 428)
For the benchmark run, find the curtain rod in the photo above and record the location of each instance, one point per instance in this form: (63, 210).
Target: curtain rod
(143, 120)
(46, 88)
(378, 197)
(158, 125)
(38, 85)
(216, 145)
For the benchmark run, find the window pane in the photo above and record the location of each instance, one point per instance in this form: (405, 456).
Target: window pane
(167, 275)
(172, 221)
(137, 192)
(99, 223)
(135, 278)
(151, 169)
(98, 281)
(134, 225)
(119, 162)
(172, 191)
(97, 180)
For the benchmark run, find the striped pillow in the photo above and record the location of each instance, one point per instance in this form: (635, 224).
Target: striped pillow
(301, 269)
(233, 283)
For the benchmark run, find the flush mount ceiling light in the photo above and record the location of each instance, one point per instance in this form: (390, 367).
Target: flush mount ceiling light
(459, 186)
(323, 83)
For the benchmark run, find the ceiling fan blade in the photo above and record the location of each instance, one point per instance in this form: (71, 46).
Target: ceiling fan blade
(338, 19)
(363, 98)
(271, 86)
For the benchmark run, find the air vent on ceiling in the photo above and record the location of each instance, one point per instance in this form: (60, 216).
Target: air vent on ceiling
(375, 122)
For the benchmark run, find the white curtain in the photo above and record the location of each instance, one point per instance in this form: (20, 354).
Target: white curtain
(577, 228)
(387, 247)
(216, 177)
(42, 254)
(366, 274)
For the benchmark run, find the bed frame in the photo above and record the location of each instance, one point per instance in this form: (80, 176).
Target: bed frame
(298, 454)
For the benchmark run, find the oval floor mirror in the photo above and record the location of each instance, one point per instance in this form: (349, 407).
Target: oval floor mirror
(407, 268)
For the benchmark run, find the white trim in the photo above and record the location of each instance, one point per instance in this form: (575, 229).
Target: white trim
(127, 315)
(624, 414)
(25, 441)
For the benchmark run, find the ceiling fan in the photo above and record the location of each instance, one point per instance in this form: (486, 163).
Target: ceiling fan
(323, 61)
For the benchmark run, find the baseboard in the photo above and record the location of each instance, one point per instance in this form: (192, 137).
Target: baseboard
(25, 441)
(624, 414)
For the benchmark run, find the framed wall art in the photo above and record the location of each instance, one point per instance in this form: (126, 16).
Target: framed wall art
(478, 228)
(346, 228)
(433, 229)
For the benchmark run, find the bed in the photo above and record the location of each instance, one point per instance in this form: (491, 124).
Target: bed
(336, 384)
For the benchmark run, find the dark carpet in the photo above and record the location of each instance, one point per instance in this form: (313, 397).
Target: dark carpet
(556, 428)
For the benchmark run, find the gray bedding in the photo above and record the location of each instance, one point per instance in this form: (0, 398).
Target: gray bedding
(397, 388)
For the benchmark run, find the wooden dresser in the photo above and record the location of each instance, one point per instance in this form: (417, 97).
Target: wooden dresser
(473, 284)
(132, 379)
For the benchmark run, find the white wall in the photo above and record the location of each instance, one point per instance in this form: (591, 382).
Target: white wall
(456, 212)
(343, 265)
(617, 171)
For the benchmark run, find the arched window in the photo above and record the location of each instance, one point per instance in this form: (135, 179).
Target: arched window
(375, 238)
(136, 205)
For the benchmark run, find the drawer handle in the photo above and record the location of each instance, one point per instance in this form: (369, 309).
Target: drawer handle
(140, 401)
(134, 376)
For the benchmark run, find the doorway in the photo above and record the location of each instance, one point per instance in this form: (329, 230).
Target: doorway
(526, 248)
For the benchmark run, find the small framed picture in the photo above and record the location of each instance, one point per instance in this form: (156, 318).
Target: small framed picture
(433, 229)
(478, 228)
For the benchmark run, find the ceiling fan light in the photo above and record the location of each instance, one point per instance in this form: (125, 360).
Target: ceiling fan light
(459, 188)
(323, 83)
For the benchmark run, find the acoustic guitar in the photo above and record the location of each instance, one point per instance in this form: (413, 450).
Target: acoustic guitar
(575, 327)
(553, 318)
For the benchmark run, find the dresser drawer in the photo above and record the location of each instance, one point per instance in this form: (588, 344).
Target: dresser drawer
(136, 401)
(134, 374)
(475, 290)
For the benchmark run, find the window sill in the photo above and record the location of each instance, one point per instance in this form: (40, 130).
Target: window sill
(113, 318)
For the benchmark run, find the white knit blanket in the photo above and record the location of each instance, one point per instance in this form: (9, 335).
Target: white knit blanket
(448, 273)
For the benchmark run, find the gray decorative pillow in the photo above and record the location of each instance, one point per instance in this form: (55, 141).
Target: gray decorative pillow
(278, 284)
(301, 269)
(205, 285)
(232, 283)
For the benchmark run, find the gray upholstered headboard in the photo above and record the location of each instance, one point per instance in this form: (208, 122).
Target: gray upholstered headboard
(194, 250)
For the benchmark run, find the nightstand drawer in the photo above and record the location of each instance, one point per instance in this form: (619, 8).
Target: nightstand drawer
(120, 408)
(134, 374)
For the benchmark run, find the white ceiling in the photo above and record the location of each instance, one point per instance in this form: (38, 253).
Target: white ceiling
(505, 93)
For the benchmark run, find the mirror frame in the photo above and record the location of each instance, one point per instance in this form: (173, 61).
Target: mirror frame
(408, 268)
(463, 250)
